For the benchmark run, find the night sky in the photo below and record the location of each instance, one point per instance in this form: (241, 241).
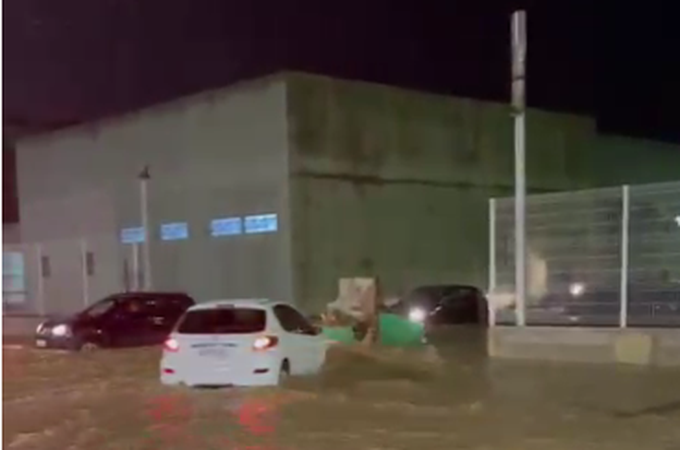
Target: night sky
(74, 60)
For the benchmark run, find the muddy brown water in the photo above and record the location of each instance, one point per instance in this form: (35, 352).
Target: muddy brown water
(382, 399)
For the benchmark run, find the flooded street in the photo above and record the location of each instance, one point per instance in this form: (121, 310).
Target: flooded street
(378, 400)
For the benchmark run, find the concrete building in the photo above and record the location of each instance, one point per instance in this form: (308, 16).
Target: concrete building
(361, 178)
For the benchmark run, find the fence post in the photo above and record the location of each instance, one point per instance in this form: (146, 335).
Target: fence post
(41, 281)
(492, 263)
(85, 271)
(625, 222)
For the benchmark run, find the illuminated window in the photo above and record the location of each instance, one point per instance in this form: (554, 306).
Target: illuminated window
(263, 223)
(228, 226)
(13, 278)
(174, 231)
(132, 235)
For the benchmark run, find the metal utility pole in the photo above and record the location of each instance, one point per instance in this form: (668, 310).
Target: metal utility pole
(144, 177)
(519, 54)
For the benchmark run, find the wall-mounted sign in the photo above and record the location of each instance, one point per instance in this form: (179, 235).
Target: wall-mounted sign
(174, 231)
(262, 223)
(133, 235)
(227, 226)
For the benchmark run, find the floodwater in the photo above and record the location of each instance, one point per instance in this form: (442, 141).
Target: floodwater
(451, 398)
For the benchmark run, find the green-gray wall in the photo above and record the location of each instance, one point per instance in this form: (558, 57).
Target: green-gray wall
(396, 183)
(367, 180)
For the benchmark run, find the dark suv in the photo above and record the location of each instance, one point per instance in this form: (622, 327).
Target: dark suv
(131, 319)
(444, 305)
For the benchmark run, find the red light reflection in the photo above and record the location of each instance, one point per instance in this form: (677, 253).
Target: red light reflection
(168, 407)
(256, 417)
(170, 414)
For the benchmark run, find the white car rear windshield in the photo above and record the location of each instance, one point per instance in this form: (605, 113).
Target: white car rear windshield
(223, 321)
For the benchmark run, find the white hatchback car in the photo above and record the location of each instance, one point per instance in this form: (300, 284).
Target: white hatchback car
(241, 343)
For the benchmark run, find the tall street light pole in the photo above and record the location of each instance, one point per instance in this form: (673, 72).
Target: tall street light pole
(519, 52)
(144, 177)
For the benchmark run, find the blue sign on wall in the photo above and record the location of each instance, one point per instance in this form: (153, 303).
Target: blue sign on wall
(132, 235)
(227, 226)
(174, 231)
(262, 223)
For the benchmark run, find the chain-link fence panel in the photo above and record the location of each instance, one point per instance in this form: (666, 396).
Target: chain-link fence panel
(573, 258)
(654, 255)
(584, 248)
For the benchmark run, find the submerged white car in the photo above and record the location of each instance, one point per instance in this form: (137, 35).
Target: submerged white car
(241, 343)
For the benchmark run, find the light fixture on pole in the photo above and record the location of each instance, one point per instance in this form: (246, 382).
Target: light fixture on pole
(519, 52)
(144, 177)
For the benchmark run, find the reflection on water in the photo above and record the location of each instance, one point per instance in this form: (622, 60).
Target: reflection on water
(168, 415)
(362, 400)
(172, 417)
(257, 417)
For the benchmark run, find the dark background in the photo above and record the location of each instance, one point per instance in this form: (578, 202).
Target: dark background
(68, 61)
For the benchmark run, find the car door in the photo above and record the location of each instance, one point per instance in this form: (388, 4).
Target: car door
(314, 342)
(128, 325)
(161, 314)
(304, 345)
(459, 305)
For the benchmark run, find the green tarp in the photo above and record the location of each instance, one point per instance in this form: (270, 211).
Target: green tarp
(395, 331)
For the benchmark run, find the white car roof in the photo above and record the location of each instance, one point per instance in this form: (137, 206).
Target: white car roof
(242, 302)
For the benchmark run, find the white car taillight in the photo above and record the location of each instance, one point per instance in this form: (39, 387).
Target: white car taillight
(171, 345)
(265, 343)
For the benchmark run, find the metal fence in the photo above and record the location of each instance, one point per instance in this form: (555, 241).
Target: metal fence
(605, 257)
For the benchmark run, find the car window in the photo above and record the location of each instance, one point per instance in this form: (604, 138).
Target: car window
(132, 306)
(172, 306)
(223, 321)
(153, 306)
(461, 296)
(137, 306)
(425, 296)
(101, 307)
(184, 302)
(293, 321)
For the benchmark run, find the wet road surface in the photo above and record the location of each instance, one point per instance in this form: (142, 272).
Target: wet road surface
(449, 399)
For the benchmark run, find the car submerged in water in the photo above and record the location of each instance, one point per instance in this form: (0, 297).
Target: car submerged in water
(440, 305)
(241, 342)
(130, 319)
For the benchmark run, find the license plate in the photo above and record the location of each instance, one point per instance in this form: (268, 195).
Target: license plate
(213, 352)
(41, 343)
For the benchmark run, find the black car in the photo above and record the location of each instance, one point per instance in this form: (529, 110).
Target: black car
(444, 305)
(131, 319)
